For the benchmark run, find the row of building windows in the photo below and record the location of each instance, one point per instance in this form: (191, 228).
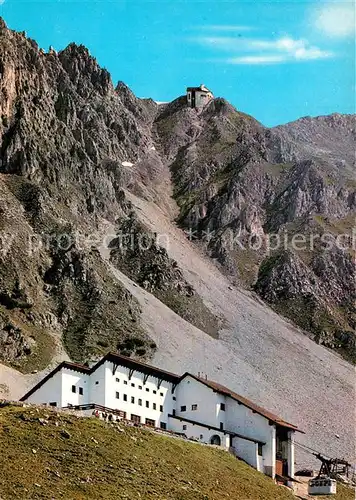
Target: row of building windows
(148, 421)
(80, 390)
(139, 401)
(184, 408)
(194, 407)
(139, 387)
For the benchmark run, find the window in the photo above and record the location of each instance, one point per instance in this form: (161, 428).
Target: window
(154, 406)
(132, 400)
(136, 418)
(125, 397)
(117, 395)
(161, 394)
(150, 422)
(154, 392)
(147, 389)
(125, 382)
(184, 427)
(160, 407)
(174, 398)
(140, 402)
(194, 407)
(140, 387)
(163, 425)
(173, 413)
(260, 449)
(117, 380)
(132, 385)
(147, 404)
(201, 436)
(97, 382)
(222, 406)
(183, 408)
(81, 391)
(53, 403)
(221, 426)
(74, 389)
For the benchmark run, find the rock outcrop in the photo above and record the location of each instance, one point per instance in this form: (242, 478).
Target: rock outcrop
(138, 253)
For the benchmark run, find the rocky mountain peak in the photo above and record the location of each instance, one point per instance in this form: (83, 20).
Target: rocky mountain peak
(84, 71)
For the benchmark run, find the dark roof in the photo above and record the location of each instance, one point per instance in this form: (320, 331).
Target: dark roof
(138, 366)
(114, 358)
(221, 389)
(224, 431)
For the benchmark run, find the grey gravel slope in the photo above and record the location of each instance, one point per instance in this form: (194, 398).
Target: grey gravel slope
(259, 354)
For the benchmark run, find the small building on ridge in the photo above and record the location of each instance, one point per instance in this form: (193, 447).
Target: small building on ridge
(197, 97)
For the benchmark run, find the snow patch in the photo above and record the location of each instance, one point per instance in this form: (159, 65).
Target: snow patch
(127, 164)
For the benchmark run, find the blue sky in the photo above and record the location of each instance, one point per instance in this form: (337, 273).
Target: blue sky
(275, 60)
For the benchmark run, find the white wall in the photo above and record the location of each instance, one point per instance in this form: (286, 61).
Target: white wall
(202, 98)
(291, 457)
(248, 451)
(149, 392)
(79, 380)
(196, 431)
(58, 389)
(236, 418)
(242, 420)
(49, 392)
(191, 392)
(97, 386)
(260, 466)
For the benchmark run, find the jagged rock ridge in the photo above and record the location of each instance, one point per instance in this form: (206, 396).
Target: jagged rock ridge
(68, 141)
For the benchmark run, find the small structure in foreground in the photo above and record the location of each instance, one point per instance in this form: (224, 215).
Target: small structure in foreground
(322, 486)
(197, 97)
(187, 404)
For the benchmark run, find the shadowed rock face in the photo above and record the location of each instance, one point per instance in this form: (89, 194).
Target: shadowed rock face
(72, 144)
(67, 138)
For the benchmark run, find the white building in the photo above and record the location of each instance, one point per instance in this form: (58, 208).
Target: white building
(197, 97)
(187, 404)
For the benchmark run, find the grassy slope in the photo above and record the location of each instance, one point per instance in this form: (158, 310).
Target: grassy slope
(97, 461)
